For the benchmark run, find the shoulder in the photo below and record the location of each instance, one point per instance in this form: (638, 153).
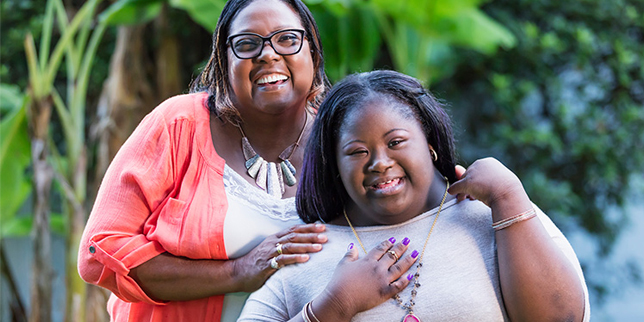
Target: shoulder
(190, 107)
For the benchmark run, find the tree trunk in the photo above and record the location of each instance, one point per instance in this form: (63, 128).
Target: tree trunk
(41, 290)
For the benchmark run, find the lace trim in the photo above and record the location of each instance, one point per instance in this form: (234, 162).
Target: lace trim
(242, 191)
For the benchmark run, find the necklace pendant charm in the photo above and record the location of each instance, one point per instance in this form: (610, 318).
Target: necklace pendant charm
(410, 318)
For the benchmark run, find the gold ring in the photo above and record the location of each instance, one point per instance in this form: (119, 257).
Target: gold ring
(393, 254)
(274, 263)
(278, 246)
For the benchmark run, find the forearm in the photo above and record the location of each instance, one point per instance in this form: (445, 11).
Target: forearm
(171, 278)
(538, 282)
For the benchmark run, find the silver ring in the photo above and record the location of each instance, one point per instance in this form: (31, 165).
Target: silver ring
(274, 263)
(393, 254)
(278, 246)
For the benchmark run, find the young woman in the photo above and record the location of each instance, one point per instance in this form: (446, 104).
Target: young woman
(379, 167)
(195, 209)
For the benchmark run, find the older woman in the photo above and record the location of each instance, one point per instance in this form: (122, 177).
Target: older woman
(198, 202)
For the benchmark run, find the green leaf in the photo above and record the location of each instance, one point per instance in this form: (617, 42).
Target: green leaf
(10, 98)
(203, 12)
(15, 151)
(17, 227)
(131, 12)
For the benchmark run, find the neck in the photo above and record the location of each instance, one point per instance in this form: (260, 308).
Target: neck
(269, 135)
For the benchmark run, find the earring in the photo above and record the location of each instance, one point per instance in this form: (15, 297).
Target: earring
(433, 154)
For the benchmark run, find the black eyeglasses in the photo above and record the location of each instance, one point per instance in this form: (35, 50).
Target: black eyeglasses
(248, 45)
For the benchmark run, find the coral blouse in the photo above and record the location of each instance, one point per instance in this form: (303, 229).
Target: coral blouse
(164, 191)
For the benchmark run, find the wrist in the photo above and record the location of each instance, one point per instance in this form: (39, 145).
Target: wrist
(328, 307)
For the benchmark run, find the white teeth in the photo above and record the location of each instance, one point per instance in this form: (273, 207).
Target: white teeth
(271, 78)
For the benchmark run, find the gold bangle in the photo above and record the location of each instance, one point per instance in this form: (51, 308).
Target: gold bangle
(505, 223)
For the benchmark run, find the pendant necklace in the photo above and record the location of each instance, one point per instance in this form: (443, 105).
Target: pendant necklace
(409, 306)
(270, 176)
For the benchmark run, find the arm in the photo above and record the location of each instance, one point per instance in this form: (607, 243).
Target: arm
(174, 278)
(538, 282)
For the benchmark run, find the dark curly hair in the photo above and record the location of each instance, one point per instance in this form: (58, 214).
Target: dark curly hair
(214, 78)
(321, 194)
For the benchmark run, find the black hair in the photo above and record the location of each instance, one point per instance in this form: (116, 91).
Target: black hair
(321, 194)
(215, 80)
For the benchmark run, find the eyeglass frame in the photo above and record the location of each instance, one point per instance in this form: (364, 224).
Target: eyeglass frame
(265, 39)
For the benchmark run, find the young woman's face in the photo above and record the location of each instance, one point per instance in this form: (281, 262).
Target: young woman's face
(384, 163)
(270, 83)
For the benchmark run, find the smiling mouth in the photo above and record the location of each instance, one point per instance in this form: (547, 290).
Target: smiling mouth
(272, 80)
(387, 185)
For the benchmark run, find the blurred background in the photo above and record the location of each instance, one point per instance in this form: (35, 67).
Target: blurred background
(553, 89)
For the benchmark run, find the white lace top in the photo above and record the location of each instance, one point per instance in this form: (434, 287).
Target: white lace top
(252, 216)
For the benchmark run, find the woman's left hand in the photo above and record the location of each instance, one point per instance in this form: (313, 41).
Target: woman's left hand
(489, 181)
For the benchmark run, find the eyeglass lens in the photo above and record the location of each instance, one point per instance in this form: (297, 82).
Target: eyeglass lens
(287, 42)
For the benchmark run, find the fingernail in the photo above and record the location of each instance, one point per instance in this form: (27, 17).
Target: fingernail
(392, 240)
(317, 246)
(350, 246)
(414, 254)
(406, 241)
(410, 276)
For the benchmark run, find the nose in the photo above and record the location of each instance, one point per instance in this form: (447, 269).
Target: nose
(380, 162)
(267, 52)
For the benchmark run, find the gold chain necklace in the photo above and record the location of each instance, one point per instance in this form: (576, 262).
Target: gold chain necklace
(270, 176)
(409, 306)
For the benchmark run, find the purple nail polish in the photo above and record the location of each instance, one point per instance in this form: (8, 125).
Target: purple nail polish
(392, 240)
(410, 276)
(350, 246)
(406, 241)
(414, 254)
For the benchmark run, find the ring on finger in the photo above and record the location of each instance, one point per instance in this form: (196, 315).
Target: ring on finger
(278, 247)
(274, 263)
(393, 254)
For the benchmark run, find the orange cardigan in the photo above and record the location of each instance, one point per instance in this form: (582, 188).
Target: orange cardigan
(163, 192)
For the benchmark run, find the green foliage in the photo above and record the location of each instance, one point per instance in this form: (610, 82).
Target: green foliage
(563, 109)
(15, 157)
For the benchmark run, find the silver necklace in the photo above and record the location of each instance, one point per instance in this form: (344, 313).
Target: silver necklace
(271, 176)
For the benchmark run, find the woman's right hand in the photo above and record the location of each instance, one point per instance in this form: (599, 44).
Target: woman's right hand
(359, 284)
(254, 268)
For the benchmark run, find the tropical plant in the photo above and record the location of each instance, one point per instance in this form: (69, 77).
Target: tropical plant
(564, 110)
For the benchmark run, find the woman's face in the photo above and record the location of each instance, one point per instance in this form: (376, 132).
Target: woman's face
(384, 163)
(270, 83)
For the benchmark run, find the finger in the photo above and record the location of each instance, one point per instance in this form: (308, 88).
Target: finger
(400, 284)
(303, 238)
(288, 259)
(458, 187)
(377, 252)
(460, 171)
(395, 252)
(351, 254)
(403, 265)
(293, 248)
(307, 228)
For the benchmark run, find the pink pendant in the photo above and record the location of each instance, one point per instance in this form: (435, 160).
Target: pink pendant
(411, 318)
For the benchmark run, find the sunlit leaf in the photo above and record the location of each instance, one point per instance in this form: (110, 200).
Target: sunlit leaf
(131, 12)
(203, 12)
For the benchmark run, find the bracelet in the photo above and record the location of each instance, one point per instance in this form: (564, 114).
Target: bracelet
(505, 223)
(309, 308)
(305, 314)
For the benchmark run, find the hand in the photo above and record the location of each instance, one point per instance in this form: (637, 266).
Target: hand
(489, 181)
(460, 171)
(359, 284)
(254, 268)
